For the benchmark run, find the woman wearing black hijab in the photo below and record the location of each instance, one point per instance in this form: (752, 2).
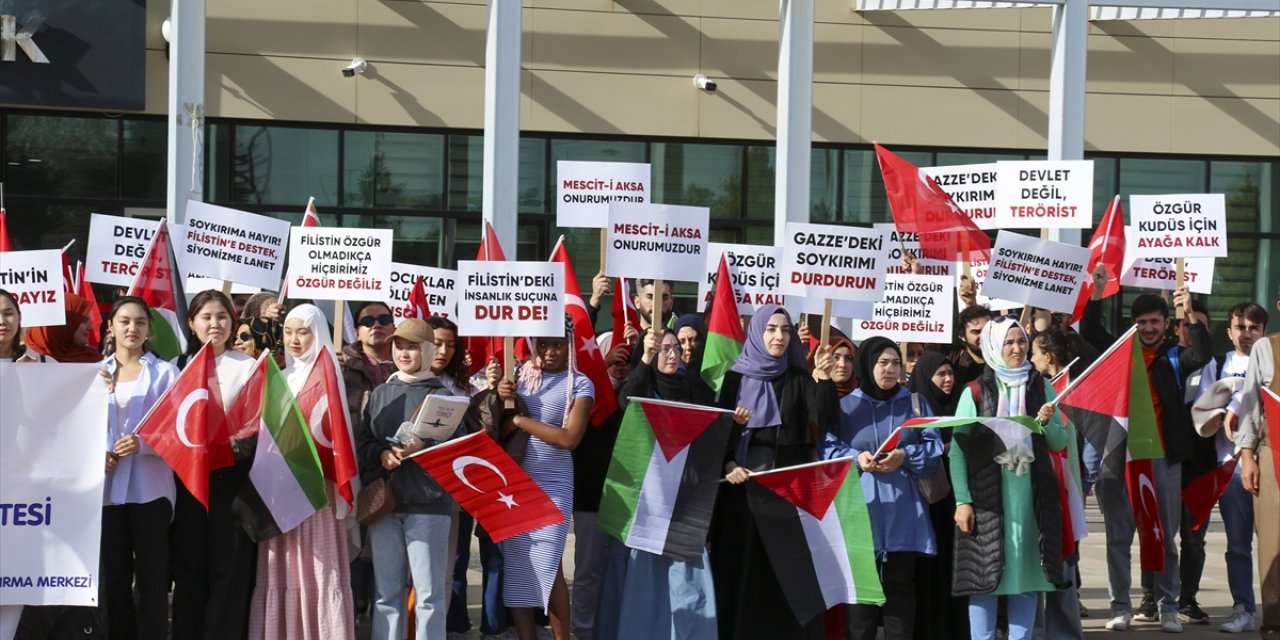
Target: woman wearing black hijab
(935, 380)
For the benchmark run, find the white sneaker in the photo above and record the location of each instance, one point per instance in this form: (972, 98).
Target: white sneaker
(1120, 622)
(1239, 621)
(1169, 622)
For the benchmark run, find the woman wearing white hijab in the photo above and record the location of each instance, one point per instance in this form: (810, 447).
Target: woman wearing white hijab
(303, 589)
(1007, 502)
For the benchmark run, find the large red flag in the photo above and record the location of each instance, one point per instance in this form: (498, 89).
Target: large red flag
(1106, 249)
(418, 301)
(309, 219)
(590, 360)
(481, 348)
(920, 206)
(179, 426)
(624, 314)
(490, 485)
(1201, 494)
(322, 404)
(85, 290)
(5, 244)
(1141, 479)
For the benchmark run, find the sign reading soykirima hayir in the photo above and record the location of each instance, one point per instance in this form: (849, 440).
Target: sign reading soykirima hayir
(50, 493)
(1040, 273)
(227, 244)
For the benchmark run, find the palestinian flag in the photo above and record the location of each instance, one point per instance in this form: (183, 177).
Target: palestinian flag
(1117, 385)
(663, 479)
(817, 533)
(158, 285)
(724, 331)
(286, 483)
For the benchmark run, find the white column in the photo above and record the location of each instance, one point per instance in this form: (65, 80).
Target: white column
(1067, 89)
(795, 114)
(502, 120)
(185, 178)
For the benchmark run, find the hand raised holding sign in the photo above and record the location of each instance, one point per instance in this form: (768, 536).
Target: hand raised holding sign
(822, 363)
(1182, 302)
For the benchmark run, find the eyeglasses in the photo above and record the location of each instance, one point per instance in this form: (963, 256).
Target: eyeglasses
(384, 320)
(244, 336)
(671, 348)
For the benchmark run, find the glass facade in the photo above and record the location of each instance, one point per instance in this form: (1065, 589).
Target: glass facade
(426, 185)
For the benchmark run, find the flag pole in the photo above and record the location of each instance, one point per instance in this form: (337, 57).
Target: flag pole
(1179, 265)
(226, 288)
(339, 321)
(825, 330)
(604, 245)
(1110, 350)
(656, 313)
(508, 366)
(68, 245)
(1064, 371)
(752, 474)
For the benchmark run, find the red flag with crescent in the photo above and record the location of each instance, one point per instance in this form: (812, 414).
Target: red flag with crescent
(325, 410)
(182, 423)
(490, 485)
(1140, 476)
(587, 351)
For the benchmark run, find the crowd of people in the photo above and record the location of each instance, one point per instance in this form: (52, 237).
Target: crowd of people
(966, 521)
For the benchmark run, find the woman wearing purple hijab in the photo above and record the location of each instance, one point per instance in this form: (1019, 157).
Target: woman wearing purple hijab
(789, 406)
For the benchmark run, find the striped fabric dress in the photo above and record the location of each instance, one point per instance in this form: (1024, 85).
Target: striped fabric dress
(530, 560)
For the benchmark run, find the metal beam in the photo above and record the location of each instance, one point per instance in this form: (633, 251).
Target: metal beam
(795, 115)
(913, 5)
(185, 175)
(502, 121)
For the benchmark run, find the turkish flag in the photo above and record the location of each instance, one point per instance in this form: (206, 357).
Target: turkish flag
(1140, 476)
(481, 348)
(1106, 248)
(920, 206)
(490, 485)
(624, 314)
(95, 314)
(323, 405)
(590, 360)
(178, 427)
(5, 243)
(418, 301)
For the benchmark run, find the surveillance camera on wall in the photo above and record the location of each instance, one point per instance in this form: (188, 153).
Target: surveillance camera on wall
(358, 65)
(701, 81)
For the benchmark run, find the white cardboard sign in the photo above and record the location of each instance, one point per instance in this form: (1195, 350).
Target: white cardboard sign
(511, 298)
(841, 263)
(1192, 225)
(1041, 273)
(1044, 194)
(839, 308)
(915, 308)
(754, 270)
(978, 271)
(1161, 273)
(35, 280)
(116, 248)
(335, 263)
(440, 285)
(972, 187)
(584, 190)
(52, 493)
(898, 240)
(657, 241)
(226, 244)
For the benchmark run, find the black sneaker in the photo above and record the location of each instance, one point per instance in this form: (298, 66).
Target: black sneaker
(1191, 613)
(1146, 612)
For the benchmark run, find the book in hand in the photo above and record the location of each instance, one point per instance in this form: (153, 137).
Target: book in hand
(437, 418)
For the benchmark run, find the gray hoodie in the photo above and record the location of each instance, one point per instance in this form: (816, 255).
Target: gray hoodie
(390, 405)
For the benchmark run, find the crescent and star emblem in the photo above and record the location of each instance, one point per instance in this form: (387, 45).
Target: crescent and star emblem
(192, 398)
(460, 465)
(316, 422)
(1145, 488)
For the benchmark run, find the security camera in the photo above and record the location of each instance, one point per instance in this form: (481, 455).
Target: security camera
(358, 65)
(701, 81)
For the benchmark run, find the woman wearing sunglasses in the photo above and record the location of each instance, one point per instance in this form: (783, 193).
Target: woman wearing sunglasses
(366, 364)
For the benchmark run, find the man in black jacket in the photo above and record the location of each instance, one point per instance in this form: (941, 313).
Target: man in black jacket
(1168, 367)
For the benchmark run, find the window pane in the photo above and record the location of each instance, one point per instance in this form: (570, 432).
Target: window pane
(146, 150)
(762, 179)
(394, 170)
(34, 225)
(864, 198)
(1250, 272)
(1104, 188)
(949, 158)
(824, 181)
(466, 167)
(597, 150)
(417, 238)
(217, 177)
(466, 242)
(760, 235)
(1244, 184)
(532, 187)
(1155, 176)
(703, 175)
(278, 165)
(57, 156)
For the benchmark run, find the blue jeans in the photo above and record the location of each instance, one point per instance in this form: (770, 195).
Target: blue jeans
(493, 614)
(410, 545)
(1058, 613)
(1236, 509)
(1117, 515)
(1022, 616)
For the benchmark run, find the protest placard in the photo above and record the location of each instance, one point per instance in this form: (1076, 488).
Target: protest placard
(972, 187)
(1190, 225)
(1161, 273)
(797, 305)
(584, 190)
(841, 263)
(336, 263)
(657, 241)
(438, 284)
(754, 270)
(899, 240)
(915, 308)
(51, 492)
(1044, 194)
(196, 284)
(978, 272)
(116, 246)
(511, 298)
(226, 244)
(1041, 273)
(35, 280)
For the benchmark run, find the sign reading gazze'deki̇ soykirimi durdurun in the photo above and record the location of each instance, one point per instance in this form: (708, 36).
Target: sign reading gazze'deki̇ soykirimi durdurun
(1190, 225)
(584, 190)
(657, 241)
(841, 263)
(972, 187)
(333, 263)
(519, 299)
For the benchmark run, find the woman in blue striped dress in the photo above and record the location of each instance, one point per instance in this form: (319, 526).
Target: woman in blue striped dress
(558, 405)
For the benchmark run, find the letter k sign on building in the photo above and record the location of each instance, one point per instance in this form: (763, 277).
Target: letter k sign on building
(11, 38)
